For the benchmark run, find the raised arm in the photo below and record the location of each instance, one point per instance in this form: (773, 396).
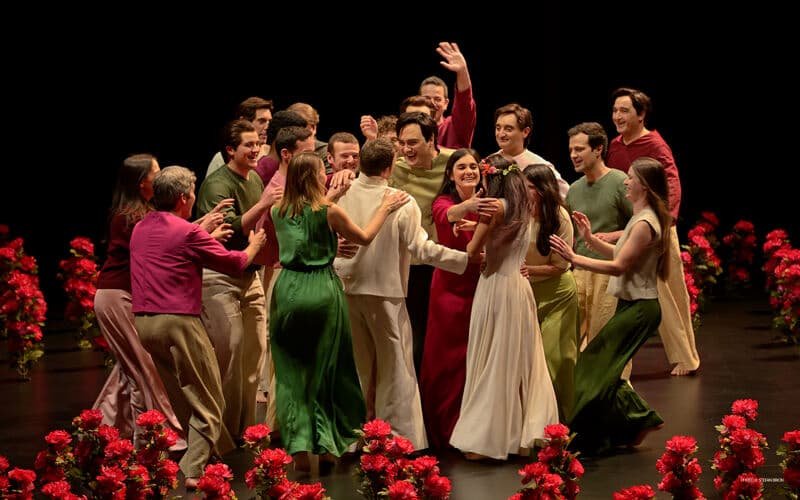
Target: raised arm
(369, 127)
(454, 61)
(463, 111)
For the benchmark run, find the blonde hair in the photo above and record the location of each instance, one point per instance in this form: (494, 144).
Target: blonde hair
(302, 185)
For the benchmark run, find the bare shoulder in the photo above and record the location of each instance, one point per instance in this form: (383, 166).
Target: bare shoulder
(334, 209)
(644, 228)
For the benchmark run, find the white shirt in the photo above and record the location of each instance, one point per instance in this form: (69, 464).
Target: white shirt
(528, 157)
(381, 268)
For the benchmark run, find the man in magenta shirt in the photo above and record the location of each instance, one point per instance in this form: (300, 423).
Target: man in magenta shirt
(168, 254)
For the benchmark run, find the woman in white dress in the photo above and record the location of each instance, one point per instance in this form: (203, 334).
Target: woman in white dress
(508, 396)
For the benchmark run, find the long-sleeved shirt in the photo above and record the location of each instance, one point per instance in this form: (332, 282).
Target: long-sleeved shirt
(381, 268)
(226, 183)
(168, 255)
(422, 184)
(621, 155)
(116, 271)
(456, 131)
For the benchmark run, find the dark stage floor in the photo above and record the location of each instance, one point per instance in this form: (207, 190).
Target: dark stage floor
(740, 359)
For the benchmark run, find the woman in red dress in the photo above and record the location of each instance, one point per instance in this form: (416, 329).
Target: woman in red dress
(455, 214)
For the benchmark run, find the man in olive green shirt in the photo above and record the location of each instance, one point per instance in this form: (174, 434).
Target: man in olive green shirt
(234, 307)
(419, 172)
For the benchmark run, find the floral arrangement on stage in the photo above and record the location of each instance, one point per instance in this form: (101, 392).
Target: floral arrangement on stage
(94, 460)
(385, 469)
(680, 469)
(774, 242)
(701, 265)
(740, 454)
(154, 453)
(708, 224)
(79, 274)
(741, 247)
(16, 483)
(639, 492)
(782, 269)
(215, 483)
(22, 307)
(556, 472)
(785, 297)
(703, 262)
(268, 476)
(790, 451)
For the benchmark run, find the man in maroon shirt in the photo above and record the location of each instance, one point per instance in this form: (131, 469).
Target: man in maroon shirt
(456, 130)
(631, 108)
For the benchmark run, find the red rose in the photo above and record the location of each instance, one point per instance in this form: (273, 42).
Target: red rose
(402, 490)
(791, 477)
(377, 428)
(747, 408)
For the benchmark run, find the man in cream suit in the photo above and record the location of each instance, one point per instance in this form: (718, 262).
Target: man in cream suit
(376, 283)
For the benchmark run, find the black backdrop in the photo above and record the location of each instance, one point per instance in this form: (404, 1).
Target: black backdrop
(83, 95)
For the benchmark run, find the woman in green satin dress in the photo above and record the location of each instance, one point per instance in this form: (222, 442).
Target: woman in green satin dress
(318, 396)
(607, 411)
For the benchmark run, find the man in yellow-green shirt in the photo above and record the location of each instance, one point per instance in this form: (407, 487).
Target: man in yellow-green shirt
(419, 172)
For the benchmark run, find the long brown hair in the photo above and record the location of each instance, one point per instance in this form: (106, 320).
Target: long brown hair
(302, 185)
(651, 174)
(507, 182)
(543, 179)
(127, 199)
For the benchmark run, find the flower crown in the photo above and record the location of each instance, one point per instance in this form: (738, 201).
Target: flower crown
(487, 169)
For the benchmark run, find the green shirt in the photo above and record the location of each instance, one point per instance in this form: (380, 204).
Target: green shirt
(422, 184)
(603, 202)
(225, 183)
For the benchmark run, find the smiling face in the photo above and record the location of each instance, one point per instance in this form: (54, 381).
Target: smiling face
(345, 156)
(436, 94)
(624, 116)
(634, 189)
(246, 154)
(466, 174)
(414, 147)
(583, 157)
(508, 134)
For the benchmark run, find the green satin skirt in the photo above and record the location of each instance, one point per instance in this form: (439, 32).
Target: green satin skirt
(607, 411)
